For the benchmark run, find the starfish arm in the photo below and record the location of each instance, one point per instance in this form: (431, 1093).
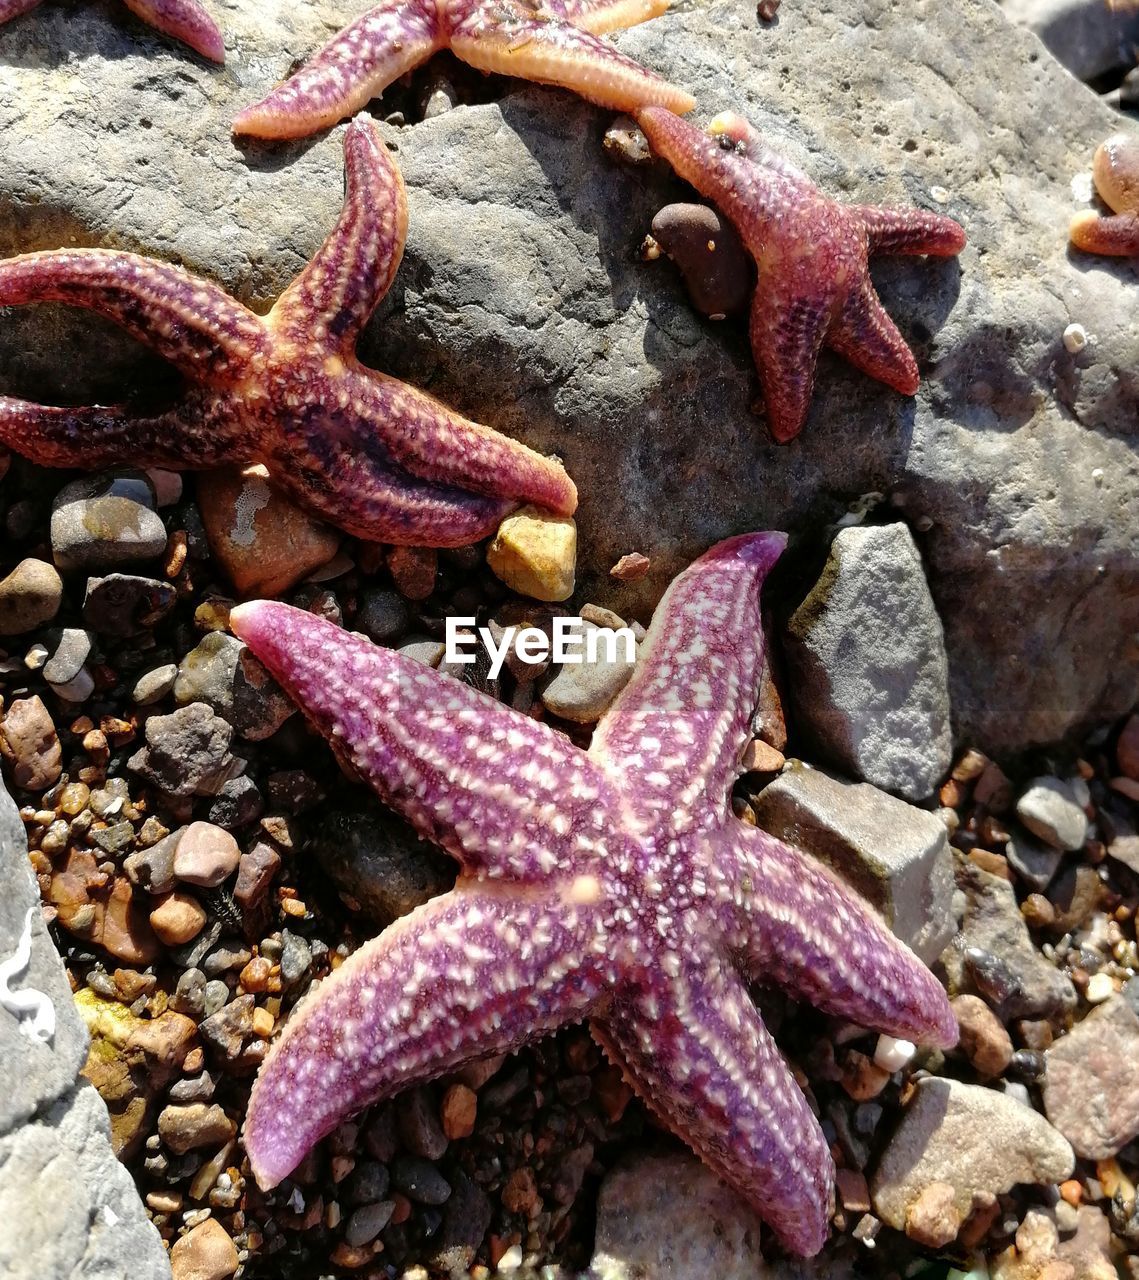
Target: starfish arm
(552, 51)
(354, 67)
(695, 1049)
(746, 188)
(100, 436)
(473, 973)
(506, 795)
(185, 20)
(357, 489)
(865, 336)
(787, 331)
(13, 8)
(804, 930)
(600, 16)
(910, 231)
(671, 740)
(431, 441)
(1116, 236)
(194, 324)
(332, 298)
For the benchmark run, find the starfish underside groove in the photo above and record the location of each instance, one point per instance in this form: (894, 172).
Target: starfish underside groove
(554, 42)
(811, 255)
(1115, 171)
(614, 885)
(366, 452)
(185, 20)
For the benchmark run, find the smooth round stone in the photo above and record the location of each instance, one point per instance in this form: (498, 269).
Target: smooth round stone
(1049, 809)
(29, 597)
(72, 651)
(106, 521)
(177, 919)
(125, 605)
(383, 615)
(367, 1222)
(153, 686)
(206, 855)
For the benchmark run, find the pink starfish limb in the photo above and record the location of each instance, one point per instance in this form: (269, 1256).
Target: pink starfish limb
(658, 901)
(378, 458)
(185, 20)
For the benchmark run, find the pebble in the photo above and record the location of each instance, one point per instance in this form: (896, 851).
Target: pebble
(30, 597)
(255, 872)
(153, 869)
(1091, 1078)
(105, 521)
(216, 996)
(200, 1124)
(458, 1111)
(205, 1253)
(366, 1222)
(264, 543)
(237, 804)
(155, 685)
(227, 1030)
(199, 1088)
(177, 919)
(718, 273)
(1049, 808)
(1127, 748)
(29, 745)
(413, 570)
(187, 752)
(429, 652)
(368, 1182)
(383, 614)
(535, 554)
(205, 855)
(624, 140)
(221, 672)
(581, 691)
(419, 1125)
(65, 671)
(632, 567)
(419, 1180)
(984, 1040)
(190, 993)
(296, 959)
(932, 1220)
(892, 1054)
(1033, 861)
(974, 1139)
(125, 605)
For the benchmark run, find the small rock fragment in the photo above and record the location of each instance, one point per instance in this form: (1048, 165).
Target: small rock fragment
(125, 605)
(581, 691)
(187, 752)
(984, 1041)
(535, 554)
(632, 567)
(1049, 809)
(200, 1124)
(932, 1219)
(177, 918)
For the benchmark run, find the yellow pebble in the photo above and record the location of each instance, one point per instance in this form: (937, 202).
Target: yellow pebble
(263, 1023)
(535, 554)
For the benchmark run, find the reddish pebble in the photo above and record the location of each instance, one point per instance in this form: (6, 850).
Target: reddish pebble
(205, 1253)
(631, 567)
(852, 1190)
(984, 1041)
(177, 918)
(206, 855)
(1127, 749)
(413, 571)
(520, 1194)
(458, 1111)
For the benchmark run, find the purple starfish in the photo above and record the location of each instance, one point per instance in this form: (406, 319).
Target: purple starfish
(613, 884)
(185, 20)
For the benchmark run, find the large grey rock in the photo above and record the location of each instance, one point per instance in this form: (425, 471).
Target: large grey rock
(1017, 457)
(974, 1139)
(68, 1209)
(1090, 37)
(868, 651)
(895, 855)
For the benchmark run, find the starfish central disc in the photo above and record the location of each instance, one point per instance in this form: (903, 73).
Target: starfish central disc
(614, 885)
(364, 451)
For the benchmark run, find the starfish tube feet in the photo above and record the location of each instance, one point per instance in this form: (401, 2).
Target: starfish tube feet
(811, 254)
(613, 884)
(382, 460)
(1115, 171)
(552, 43)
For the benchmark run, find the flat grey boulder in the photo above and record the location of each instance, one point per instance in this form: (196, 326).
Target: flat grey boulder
(867, 653)
(68, 1209)
(523, 302)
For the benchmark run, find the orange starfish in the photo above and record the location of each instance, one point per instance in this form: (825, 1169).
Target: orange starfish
(811, 254)
(1116, 174)
(551, 41)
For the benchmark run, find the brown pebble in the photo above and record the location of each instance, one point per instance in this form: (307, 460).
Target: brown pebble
(402, 1210)
(177, 918)
(30, 746)
(1072, 1191)
(458, 1111)
(205, 1253)
(413, 571)
(631, 567)
(1127, 749)
(352, 1256)
(1038, 912)
(970, 766)
(932, 1219)
(520, 1195)
(994, 863)
(760, 757)
(993, 789)
(263, 1023)
(164, 1201)
(198, 1124)
(206, 855)
(862, 1078)
(255, 976)
(984, 1040)
(852, 1190)
(717, 270)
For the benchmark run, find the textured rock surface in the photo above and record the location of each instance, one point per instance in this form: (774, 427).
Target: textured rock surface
(521, 299)
(937, 1141)
(896, 856)
(868, 651)
(68, 1209)
(670, 1216)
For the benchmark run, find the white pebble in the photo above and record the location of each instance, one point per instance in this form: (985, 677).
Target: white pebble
(892, 1054)
(511, 1260)
(939, 194)
(1081, 791)
(1100, 988)
(1081, 186)
(1075, 338)
(1097, 476)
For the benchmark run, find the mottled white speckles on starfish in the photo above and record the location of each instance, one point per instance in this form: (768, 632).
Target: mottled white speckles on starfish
(185, 20)
(554, 42)
(364, 451)
(614, 885)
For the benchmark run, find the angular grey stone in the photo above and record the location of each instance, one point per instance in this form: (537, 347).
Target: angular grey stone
(221, 672)
(563, 338)
(1049, 809)
(993, 954)
(1032, 860)
(187, 752)
(896, 856)
(669, 1215)
(974, 1139)
(868, 653)
(68, 1209)
(581, 691)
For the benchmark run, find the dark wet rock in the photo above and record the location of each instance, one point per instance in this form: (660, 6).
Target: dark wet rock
(124, 605)
(466, 1220)
(419, 1180)
(237, 804)
(380, 863)
(419, 1124)
(994, 956)
(718, 273)
(383, 615)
